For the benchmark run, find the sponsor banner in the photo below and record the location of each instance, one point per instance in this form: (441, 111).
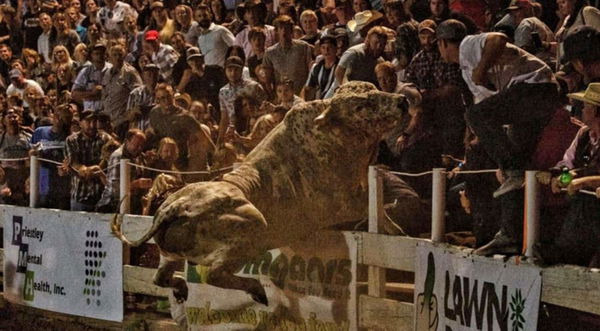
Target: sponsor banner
(456, 292)
(67, 262)
(310, 287)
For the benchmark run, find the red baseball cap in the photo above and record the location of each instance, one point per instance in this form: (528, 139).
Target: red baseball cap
(151, 35)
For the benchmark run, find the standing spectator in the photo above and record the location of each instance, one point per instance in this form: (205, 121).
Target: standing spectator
(83, 157)
(118, 82)
(322, 74)
(180, 46)
(43, 41)
(49, 143)
(236, 86)
(64, 35)
(131, 149)
(170, 120)
(184, 23)
(255, 12)
(577, 13)
(440, 11)
(441, 85)
(15, 143)
(19, 84)
(91, 13)
(290, 58)
(111, 15)
(87, 88)
(531, 34)
(134, 39)
(201, 81)
(164, 56)
(358, 62)
(74, 19)
(214, 39)
(310, 26)
(11, 29)
(6, 58)
(257, 40)
(161, 22)
(510, 86)
(141, 99)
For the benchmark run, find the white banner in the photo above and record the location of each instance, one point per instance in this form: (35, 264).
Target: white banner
(62, 261)
(311, 287)
(457, 292)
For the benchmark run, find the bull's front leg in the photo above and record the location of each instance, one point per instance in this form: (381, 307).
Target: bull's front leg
(221, 274)
(164, 278)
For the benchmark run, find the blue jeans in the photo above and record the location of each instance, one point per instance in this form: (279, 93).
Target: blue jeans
(78, 206)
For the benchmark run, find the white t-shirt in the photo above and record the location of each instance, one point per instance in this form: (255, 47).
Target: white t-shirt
(517, 66)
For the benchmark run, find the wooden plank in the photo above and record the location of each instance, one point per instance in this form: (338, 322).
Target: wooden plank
(572, 287)
(385, 251)
(135, 226)
(384, 314)
(376, 275)
(139, 280)
(1, 260)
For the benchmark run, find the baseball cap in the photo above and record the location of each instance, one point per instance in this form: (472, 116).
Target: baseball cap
(157, 4)
(151, 35)
(518, 4)
(151, 66)
(87, 115)
(99, 46)
(193, 53)
(451, 30)
(583, 43)
(427, 25)
(234, 61)
(15, 73)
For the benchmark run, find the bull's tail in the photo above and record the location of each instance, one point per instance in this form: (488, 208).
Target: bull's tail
(115, 227)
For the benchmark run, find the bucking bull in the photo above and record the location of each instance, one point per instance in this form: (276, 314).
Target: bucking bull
(309, 173)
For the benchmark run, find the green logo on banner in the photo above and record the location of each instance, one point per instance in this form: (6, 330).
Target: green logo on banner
(28, 286)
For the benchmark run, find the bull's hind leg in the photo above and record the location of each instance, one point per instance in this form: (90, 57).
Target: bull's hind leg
(222, 275)
(164, 278)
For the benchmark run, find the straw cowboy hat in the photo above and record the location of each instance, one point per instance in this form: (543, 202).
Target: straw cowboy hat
(363, 19)
(591, 95)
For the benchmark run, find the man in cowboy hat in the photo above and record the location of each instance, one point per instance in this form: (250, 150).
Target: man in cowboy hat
(577, 242)
(363, 21)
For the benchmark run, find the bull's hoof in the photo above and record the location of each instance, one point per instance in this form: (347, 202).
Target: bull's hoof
(180, 290)
(260, 298)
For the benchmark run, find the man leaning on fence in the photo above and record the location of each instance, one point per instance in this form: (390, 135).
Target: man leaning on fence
(83, 159)
(131, 150)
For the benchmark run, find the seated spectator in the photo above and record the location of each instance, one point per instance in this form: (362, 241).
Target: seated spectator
(83, 158)
(15, 143)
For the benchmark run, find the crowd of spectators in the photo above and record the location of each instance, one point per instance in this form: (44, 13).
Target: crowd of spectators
(195, 85)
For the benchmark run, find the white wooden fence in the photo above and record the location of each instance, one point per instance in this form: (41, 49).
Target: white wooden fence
(571, 287)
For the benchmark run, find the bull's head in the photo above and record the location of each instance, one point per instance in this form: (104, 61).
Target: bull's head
(359, 108)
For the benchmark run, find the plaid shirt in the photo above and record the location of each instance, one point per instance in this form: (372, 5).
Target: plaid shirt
(141, 99)
(228, 93)
(86, 151)
(428, 71)
(165, 58)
